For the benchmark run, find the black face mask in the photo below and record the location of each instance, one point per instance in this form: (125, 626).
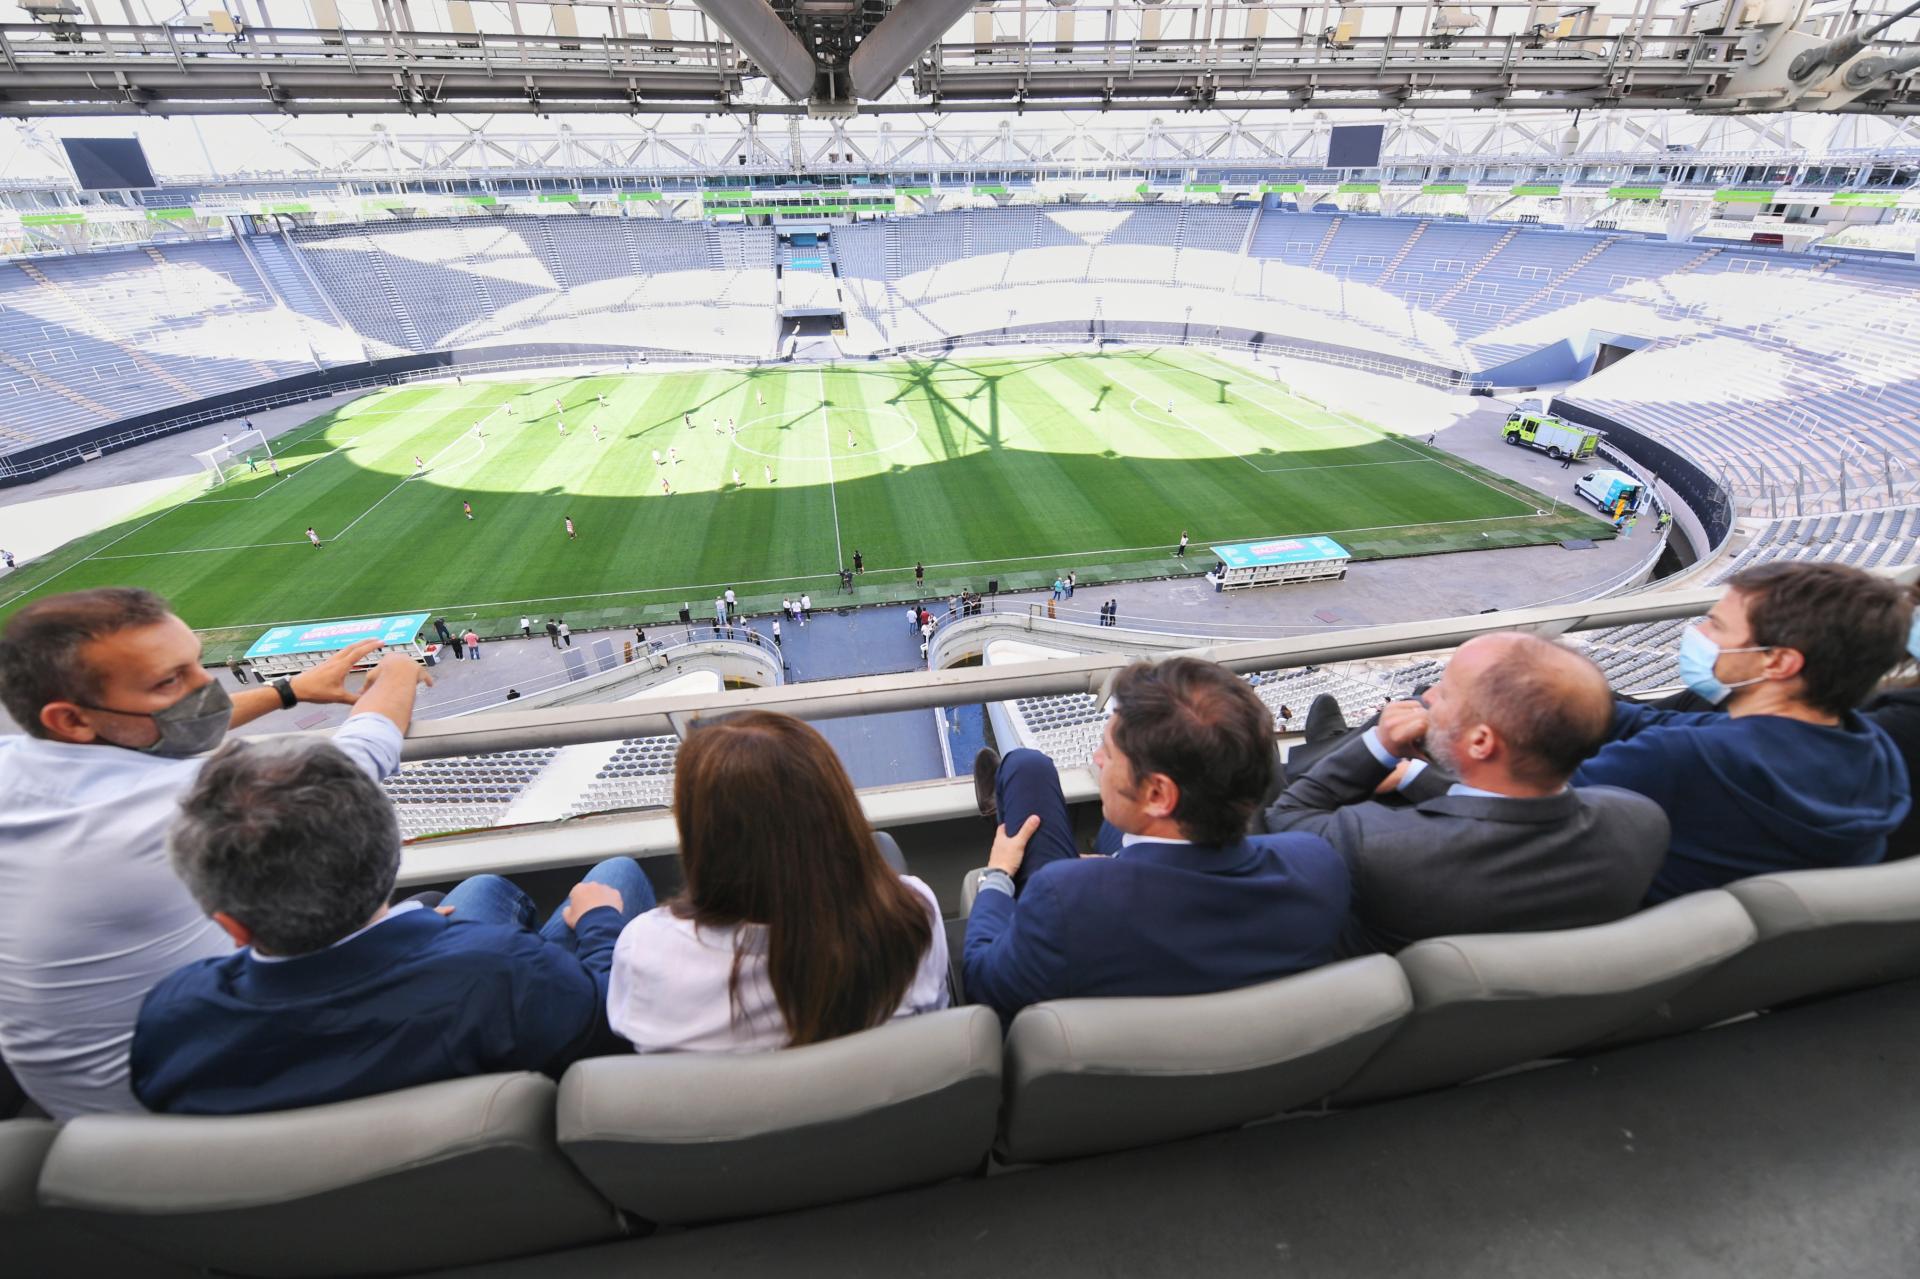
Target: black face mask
(191, 726)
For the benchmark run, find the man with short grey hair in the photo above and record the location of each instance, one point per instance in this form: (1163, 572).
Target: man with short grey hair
(117, 710)
(293, 851)
(1495, 840)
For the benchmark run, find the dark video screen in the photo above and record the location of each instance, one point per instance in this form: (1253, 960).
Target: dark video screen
(1355, 146)
(108, 164)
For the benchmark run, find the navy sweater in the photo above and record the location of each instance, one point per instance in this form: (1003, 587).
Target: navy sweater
(414, 1000)
(1752, 794)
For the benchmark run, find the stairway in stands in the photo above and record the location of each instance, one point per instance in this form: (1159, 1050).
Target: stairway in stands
(1454, 292)
(1326, 242)
(100, 331)
(1393, 263)
(1553, 285)
(59, 388)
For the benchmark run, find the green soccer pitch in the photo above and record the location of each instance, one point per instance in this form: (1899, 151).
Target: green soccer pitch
(1018, 468)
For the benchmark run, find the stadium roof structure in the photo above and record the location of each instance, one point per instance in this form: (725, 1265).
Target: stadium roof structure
(833, 57)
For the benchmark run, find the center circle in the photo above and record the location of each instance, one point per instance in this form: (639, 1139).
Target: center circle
(838, 420)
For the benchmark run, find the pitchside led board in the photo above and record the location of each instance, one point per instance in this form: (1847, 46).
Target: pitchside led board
(1278, 560)
(292, 648)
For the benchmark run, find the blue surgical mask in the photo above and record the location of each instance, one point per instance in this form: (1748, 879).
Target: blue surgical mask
(1699, 655)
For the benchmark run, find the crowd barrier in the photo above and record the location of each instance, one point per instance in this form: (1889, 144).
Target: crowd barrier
(622, 1145)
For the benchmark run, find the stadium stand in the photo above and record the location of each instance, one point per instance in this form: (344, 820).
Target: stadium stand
(466, 793)
(639, 775)
(1794, 378)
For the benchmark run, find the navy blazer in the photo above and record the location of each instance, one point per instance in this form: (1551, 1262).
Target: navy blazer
(413, 1000)
(1158, 919)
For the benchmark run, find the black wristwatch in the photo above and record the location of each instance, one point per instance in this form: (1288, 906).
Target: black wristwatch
(288, 698)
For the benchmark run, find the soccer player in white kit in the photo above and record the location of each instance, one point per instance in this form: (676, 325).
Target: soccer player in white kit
(688, 419)
(418, 465)
(759, 398)
(850, 443)
(664, 487)
(736, 477)
(314, 538)
(571, 535)
(563, 426)
(673, 455)
(769, 471)
(595, 428)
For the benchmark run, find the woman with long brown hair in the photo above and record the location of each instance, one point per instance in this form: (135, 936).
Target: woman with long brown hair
(791, 929)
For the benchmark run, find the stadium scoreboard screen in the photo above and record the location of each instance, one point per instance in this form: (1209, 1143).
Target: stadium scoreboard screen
(108, 164)
(1355, 146)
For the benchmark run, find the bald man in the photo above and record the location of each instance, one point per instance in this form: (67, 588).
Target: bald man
(1497, 841)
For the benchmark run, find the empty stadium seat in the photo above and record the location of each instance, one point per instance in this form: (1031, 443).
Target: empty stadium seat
(1086, 1076)
(45, 1244)
(1819, 932)
(688, 1137)
(440, 1175)
(1483, 1003)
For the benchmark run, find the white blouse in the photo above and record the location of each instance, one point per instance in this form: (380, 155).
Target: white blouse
(668, 988)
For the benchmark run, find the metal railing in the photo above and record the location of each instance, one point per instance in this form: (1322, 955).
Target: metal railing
(656, 654)
(486, 733)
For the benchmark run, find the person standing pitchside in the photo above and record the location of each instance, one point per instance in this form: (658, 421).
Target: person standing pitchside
(1182, 548)
(571, 535)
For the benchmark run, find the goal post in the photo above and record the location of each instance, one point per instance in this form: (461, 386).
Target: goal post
(239, 454)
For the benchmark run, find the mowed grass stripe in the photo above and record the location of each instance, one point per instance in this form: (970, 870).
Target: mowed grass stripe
(1019, 467)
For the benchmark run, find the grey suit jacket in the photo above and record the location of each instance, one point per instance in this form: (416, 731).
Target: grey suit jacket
(1450, 864)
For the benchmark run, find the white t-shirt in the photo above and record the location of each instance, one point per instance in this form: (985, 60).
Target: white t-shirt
(668, 988)
(91, 914)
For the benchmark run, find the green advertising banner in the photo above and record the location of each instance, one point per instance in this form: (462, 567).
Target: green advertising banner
(1865, 199)
(1359, 188)
(1635, 193)
(630, 196)
(1549, 189)
(989, 188)
(169, 215)
(1742, 195)
(916, 192)
(480, 199)
(1444, 188)
(52, 219)
(1203, 188)
(1283, 188)
(560, 197)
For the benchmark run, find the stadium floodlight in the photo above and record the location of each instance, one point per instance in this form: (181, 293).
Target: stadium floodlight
(240, 454)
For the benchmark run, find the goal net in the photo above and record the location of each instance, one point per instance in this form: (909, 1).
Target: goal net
(243, 453)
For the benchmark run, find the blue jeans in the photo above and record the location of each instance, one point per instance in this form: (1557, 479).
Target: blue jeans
(491, 899)
(1029, 783)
